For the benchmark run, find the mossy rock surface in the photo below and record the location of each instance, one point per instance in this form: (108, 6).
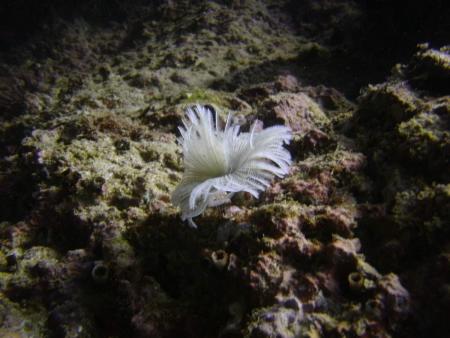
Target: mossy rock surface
(348, 244)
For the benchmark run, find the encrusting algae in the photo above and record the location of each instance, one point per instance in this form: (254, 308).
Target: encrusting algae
(346, 241)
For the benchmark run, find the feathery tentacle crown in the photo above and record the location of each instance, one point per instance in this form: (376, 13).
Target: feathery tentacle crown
(219, 162)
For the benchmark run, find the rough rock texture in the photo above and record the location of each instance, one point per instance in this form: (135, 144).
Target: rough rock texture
(409, 156)
(349, 244)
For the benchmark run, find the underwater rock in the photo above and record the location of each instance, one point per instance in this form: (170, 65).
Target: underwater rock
(297, 111)
(12, 96)
(429, 69)
(309, 123)
(348, 244)
(18, 321)
(283, 320)
(403, 125)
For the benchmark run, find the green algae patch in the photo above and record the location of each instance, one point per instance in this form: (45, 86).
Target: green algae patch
(204, 96)
(424, 212)
(426, 137)
(20, 321)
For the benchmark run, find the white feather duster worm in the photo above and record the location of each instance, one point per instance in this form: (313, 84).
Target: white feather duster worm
(221, 161)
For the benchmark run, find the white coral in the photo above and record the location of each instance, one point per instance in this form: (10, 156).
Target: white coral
(219, 162)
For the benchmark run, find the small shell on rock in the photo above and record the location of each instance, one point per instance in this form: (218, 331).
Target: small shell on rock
(100, 272)
(219, 258)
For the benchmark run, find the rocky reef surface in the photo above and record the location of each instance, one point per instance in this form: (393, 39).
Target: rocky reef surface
(354, 242)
